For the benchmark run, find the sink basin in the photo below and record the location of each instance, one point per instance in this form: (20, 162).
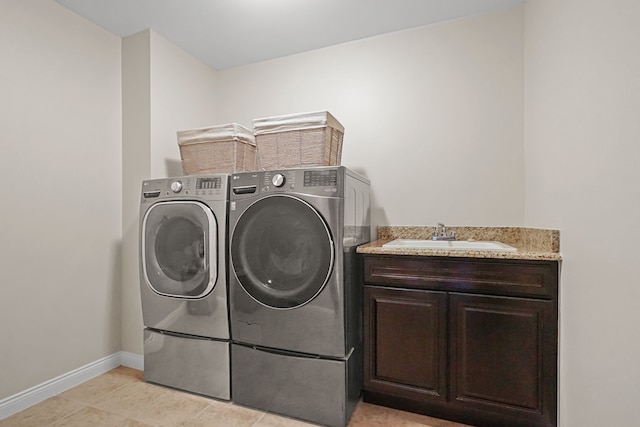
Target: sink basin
(461, 245)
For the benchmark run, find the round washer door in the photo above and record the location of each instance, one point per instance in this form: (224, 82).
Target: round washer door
(179, 241)
(282, 251)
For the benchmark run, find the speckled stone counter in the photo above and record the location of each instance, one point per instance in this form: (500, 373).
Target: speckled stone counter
(531, 243)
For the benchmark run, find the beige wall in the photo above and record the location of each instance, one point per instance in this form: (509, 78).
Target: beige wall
(420, 121)
(433, 116)
(182, 97)
(164, 90)
(60, 168)
(582, 150)
(136, 166)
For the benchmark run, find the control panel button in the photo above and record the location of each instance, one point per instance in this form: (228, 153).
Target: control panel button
(278, 180)
(176, 186)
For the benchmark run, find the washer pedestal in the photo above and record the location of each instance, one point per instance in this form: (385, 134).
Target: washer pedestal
(197, 365)
(322, 391)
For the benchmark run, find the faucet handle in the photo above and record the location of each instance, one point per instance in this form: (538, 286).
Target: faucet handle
(440, 233)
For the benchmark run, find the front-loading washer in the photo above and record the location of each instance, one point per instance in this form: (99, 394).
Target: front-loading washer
(183, 283)
(295, 290)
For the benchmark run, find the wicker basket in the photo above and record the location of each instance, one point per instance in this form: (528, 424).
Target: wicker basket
(298, 140)
(227, 148)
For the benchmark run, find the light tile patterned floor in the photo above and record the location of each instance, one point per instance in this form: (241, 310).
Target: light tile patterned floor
(121, 398)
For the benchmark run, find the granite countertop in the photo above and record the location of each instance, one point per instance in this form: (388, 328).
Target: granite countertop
(531, 243)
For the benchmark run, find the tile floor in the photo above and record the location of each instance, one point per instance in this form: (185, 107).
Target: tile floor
(121, 398)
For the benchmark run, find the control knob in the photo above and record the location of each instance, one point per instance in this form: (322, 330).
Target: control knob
(176, 186)
(278, 180)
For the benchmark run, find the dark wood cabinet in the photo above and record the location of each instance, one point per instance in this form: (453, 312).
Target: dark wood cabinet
(471, 340)
(415, 323)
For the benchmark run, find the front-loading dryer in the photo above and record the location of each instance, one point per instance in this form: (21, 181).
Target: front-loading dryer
(295, 290)
(183, 283)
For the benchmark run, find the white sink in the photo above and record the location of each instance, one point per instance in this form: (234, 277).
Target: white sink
(461, 245)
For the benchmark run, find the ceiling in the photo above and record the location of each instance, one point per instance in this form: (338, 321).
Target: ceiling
(231, 33)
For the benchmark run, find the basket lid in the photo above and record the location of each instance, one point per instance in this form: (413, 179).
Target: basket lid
(298, 121)
(224, 132)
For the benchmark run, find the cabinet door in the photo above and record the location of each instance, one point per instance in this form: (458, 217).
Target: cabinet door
(405, 343)
(503, 356)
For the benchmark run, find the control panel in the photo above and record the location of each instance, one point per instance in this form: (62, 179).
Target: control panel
(321, 178)
(208, 183)
(284, 180)
(207, 187)
(321, 181)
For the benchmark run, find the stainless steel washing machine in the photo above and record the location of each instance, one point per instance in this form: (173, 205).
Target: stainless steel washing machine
(296, 290)
(183, 283)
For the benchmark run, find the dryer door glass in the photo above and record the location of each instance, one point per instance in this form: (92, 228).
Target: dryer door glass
(282, 251)
(177, 244)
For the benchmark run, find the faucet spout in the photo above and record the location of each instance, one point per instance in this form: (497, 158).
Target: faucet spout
(440, 233)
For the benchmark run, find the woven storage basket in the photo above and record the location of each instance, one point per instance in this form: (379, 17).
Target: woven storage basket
(298, 140)
(227, 148)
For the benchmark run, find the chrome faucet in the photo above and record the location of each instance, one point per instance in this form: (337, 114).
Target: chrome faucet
(440, 233)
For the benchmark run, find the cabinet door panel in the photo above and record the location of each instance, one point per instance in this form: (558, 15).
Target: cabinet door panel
(503, 353)
(405, 334)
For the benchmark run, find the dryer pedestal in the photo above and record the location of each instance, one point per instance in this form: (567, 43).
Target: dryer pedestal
(319, 390)
(197, 365)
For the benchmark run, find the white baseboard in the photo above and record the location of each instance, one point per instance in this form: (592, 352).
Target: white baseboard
(21, 401)
(131, 360)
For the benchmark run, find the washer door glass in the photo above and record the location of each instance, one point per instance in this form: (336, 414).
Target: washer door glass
(282, 252)
(178, 239)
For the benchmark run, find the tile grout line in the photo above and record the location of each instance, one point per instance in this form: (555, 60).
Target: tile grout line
(94, 405)
(58, 420)
(259, 419)
(199, 413)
